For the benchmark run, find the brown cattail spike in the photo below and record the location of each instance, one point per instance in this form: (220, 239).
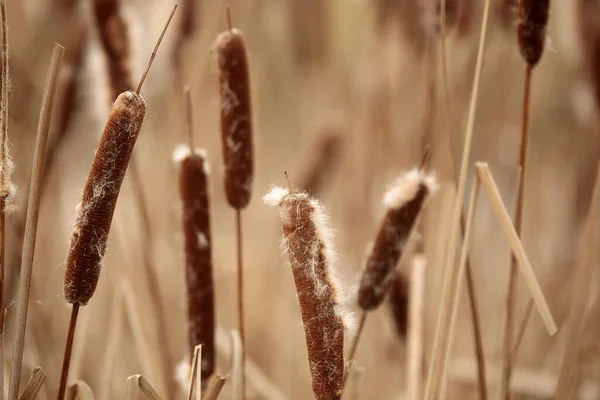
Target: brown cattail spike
(403, 202)
(307, 242)
(100, 193)
(193, 190)
(532, 19)
(236, 117)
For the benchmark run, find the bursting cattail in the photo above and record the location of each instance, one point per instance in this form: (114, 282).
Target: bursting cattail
(403, 201)
(308, 244)
(236, 117)
(112, 29)
(398, 301)
(193, 190)
(532, 19)
(95, 212)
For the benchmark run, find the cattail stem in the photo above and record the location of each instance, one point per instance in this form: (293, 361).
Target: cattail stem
(240, 292)
(507, 362)
(64, 374)
(352, 353)
(33, 209)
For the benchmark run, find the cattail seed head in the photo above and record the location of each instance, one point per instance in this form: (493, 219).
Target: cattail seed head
(193, 190)
(398, 302)
(95, 212)
(403, 202)
(532, 19)
(307, 242)
(236, 117)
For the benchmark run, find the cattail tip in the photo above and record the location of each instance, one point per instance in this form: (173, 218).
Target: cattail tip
(275, 196)
(183, 151)
(405, 188)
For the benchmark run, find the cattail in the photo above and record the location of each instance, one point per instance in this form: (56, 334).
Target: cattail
(236, 117)
(193, 190)
(326, 155)
(398, 302)
(112, 29)
(307, 240)
(532, 19)
(100, 193)
(403, 201)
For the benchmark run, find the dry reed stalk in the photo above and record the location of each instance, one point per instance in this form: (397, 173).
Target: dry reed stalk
(256, 377)
(138, 385)
(532, 19)
(193, 190)
(33, 209)
(95, 212)
(195, 374)
(215, 385)
(583, 279)
(307, 240)
(449, 279)
(38, 376)
(236, 137)
(237, 358)
(79, 390)
(7, 189)
(462, 265)
(324, 159)
(416, 307)
(503, 218)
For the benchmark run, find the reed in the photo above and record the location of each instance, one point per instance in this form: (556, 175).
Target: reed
(237, 147)
(95, 212)
(33, 209)
(307, 240)
(193, 190)
(532, 19)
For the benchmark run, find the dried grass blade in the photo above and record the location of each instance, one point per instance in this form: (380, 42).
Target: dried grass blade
(33, 209)
(38, 376)
(236, 364)
(416, 304)
(79, 390)
(464, 256)
(215, 385)
(449, 281)
(512, 237)
(138, 385)
(197, 356)
(583, 279)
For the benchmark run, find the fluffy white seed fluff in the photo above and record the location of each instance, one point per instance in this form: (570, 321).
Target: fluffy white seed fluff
(183, 151)
(405, 188)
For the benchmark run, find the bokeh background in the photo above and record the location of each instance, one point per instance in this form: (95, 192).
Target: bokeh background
(355, 69)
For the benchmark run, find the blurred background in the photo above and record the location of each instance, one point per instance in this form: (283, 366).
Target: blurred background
(357, 74)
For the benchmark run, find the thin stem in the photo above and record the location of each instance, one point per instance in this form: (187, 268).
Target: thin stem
(522, 330)
(64, 374)
(430, 103)
(228, 16)
(361, 325)
(189, 119)
(33, 210)
(240, 289)
(510, 298)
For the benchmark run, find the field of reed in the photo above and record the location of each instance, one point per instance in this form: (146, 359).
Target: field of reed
(297, 199)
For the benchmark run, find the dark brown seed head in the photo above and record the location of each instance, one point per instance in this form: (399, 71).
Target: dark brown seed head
(95, 212)
(193, 190)
(236, 117)
(398, 301)
(306, 242)
(112, 30)
(404, 202)
(532, 19)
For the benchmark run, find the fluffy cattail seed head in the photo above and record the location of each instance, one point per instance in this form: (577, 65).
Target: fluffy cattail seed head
(95, 212)
(532, 19)
(236, 117)
(193, 190)
(403, 201)
(307, 241)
